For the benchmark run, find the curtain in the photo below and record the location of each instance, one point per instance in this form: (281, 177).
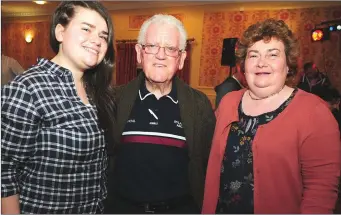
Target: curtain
(126, 63)
(184, 74)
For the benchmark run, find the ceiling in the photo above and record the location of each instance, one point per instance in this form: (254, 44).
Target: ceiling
(29, 8)
(17, 9)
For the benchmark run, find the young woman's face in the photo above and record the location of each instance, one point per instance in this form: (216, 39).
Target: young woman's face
(84, 40)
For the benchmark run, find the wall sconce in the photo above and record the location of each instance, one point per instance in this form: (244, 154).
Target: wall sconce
(28, 37)
(40, 2)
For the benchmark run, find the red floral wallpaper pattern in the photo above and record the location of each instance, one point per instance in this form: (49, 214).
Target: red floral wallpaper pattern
(136, 21)
(220, 25)
(13, 42)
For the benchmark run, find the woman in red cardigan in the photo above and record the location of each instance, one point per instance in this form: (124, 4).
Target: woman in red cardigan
(276, 149)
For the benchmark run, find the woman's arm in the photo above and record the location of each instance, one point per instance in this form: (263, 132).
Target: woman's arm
(10, 205)
(19, 128)
(320, 156)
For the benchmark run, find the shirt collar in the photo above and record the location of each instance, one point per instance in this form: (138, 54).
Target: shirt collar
(144, 93)
(238, 81)
(52, 67)
(319, 79)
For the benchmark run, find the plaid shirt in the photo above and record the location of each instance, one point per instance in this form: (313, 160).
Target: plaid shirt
(53, 151)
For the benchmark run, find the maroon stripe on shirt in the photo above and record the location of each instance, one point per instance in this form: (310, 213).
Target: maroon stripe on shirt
(153, 140)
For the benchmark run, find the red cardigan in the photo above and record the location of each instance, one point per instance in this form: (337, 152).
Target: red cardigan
(296, 157)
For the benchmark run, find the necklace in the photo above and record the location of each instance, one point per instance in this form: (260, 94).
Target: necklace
(253, 98)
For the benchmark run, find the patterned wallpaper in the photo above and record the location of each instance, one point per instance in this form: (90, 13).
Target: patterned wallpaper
(136, 21)
(13, 42)
(220, 25)
(216, 27)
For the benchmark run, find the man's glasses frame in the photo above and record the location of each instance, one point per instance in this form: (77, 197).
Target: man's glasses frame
(154, 49)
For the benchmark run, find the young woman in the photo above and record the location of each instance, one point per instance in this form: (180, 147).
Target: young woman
(52, 144)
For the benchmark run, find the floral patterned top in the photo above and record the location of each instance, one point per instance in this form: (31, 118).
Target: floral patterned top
(236, 179)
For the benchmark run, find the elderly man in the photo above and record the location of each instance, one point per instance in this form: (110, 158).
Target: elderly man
(164, 130)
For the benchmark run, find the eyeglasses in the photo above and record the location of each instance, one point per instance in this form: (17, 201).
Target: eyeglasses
(154, 49)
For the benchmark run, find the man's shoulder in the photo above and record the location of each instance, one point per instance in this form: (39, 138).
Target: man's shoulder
(130, 87)
(323, 75)
(229, 84)
(186, 89)
(119, 89)
(232, 97)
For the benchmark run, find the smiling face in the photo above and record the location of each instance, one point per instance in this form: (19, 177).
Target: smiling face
(265, 66)
(83, 40)
(160, 68)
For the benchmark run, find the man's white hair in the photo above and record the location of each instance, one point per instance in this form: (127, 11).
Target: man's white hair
(163, 19)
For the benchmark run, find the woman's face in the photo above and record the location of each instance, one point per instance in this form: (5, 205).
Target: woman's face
(265, 66)
(84, 40)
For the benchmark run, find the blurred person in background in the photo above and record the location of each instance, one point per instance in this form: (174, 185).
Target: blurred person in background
(232, 83)
(9, 69)
(313, 80)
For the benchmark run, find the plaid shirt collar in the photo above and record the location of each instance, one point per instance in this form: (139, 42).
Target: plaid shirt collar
(52, 67)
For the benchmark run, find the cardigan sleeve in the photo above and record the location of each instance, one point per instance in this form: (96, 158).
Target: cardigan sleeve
(320, 160)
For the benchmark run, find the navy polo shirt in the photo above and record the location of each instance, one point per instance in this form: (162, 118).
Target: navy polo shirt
(152, 160)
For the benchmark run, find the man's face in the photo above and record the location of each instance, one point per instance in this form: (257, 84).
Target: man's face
(311, 72)
(161, 66)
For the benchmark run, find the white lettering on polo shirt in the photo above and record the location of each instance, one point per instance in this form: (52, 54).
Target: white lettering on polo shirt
(178, 124)
(131, 121)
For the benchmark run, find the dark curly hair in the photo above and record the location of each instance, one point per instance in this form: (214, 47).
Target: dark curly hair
(265, 30)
